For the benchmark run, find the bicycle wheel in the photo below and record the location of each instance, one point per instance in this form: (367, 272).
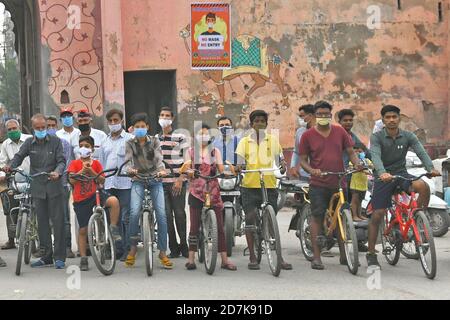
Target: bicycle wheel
(388, 241)
(425, 244)
(22, 240)
(101, 244)
(148, 230)
(201, 246)
(229, 230)
(304, 229)
(409, 249)
(272, 242)
(350, 241)
(210, 241)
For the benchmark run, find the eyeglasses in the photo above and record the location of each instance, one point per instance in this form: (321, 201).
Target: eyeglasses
(323, 115)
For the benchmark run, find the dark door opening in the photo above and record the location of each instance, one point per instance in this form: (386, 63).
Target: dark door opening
(148, 91)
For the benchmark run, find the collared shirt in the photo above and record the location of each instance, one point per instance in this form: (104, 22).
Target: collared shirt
(259, 156)
(228, 149)
(174, 149)
(147, 159)
(112, 155)
(7, 151)
(63, 134)
(296, 155)
(69, 156)
(46, 156)
(99, 138)
(389, 154)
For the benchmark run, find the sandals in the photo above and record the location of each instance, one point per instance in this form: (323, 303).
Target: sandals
(229, 266)
(166, 263)
(317, 265)
(130, 261)
(286, 266)
(190, 266)
(253, 266)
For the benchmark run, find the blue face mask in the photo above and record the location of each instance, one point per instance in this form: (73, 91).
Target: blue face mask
(40, 134)
(140, 132)
(51, 132)
(362, 155)
(67, 121)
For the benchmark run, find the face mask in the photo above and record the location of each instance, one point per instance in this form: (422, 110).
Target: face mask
(204, 139)
(115, 127)
(67, 121)
(362, 155)
(164, 123)
(226, 130)
(140, 132)
(85, 152)
(84, 127)
(14, 135)
(51, 132)
(210, 25)
(323, 121)
(40, 134)
(301, 122)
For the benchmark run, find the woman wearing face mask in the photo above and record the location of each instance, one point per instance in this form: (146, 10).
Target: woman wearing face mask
(146, 158)
(208, 161)
(84, 196)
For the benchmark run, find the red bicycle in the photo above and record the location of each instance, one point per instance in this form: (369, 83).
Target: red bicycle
(406, 223)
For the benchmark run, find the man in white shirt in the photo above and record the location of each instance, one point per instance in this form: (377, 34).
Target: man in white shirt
(7, 151)
(84, 121)
(68, 131)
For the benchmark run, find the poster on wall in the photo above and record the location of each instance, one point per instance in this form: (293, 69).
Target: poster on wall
(210, 36)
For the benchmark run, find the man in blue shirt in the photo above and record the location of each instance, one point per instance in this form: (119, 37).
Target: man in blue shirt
(228, 141)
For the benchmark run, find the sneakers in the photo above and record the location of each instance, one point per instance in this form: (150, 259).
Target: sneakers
(115, 232)
(9, 245)
(84, 265)
(41, 263)
(166, 263)
(372, 261)
(59, 264)
(69, 253)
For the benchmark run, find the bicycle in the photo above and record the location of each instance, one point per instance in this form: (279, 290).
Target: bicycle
(339, 216)
(27, 239)
(207, 240)
(147, 217)
(405, 223)
(266, 228)
(100, 240)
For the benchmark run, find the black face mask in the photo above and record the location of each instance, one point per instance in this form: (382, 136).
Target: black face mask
(84, 127)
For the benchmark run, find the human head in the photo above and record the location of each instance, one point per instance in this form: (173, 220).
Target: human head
(115, 120)
(141, 124)
(390, 115)
(39, 125)
(210, 20)
(306, 112)
(345, 117)
(13, 129)
(86, 142)
(203, 136)
(66, 116)
(322, 111)
(258, 120)
(166, 113)
(84, 120)
(224, 121)
(52, 125)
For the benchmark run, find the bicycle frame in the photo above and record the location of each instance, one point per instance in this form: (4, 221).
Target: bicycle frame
(98, 207)
(334, 213)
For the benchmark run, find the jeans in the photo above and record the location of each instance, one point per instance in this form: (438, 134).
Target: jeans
(157, 195)
(123, 195)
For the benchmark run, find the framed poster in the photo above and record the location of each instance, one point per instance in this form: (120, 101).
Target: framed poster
(210, 36)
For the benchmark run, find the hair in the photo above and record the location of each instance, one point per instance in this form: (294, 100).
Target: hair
(168, 109)
(345, 112)
(211, 15)
(322, 105)
(38, 116)
(390, 108)
(140, 117)
(258, 113)
(307, 108)
(113, 112)
(87, 139)
(224, 118)
(12, 120)
(52, 118)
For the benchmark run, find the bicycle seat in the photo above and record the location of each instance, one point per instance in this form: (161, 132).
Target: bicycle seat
(361, 224)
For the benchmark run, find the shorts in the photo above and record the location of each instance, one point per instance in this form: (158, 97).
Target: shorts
(83, 209)
(382, 191)
(252, 199)
(320, 199)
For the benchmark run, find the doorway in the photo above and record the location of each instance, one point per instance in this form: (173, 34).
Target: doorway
(148, 91)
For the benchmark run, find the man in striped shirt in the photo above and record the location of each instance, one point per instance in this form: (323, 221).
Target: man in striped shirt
(174, 148)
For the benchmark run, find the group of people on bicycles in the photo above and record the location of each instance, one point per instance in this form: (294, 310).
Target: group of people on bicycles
(320, 146)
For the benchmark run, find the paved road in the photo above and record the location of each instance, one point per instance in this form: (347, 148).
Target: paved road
(405, 281)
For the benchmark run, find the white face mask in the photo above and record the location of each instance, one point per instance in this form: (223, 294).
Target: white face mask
(85, 152)
(115, 127)
(164, 123)
(203, 139)
(210, 25)
(301, 122)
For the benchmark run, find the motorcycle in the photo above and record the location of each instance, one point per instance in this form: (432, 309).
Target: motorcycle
(233, 215)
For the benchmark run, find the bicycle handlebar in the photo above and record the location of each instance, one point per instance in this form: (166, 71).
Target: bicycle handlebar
(343, 173)
(261, 170)
(84, 178)
(27, 176)
(141, 176)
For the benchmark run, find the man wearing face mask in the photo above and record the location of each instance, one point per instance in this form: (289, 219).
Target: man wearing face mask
(228, 142)
(306, 120)
(174, 148)
(210, 21)
(52, 126)
(68, 131)
(7, 151)
(84, 121)
(112, 155)
(46, 155)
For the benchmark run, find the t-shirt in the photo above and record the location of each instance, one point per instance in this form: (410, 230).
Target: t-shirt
(325, 153)
(359, 180)
(83, 190)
